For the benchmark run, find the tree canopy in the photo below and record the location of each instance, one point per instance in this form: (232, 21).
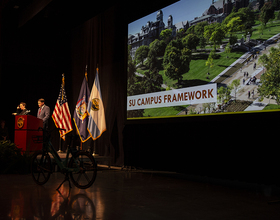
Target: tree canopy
(176, 59)
(270, 80)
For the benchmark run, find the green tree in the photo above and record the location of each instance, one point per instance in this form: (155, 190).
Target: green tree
(233, 39)
(267, 13)
(261, 28)
(180, 33)
(141, 53)
(133, 82)
(152, 60)
(158, 46)
(217, 35)
(199, 28)
(243, 20)
(156, 49)
(223, 94)
(234, 25)
(214, 33)
(152, 81)
(176, 60)
(191, 30)
(191, 41)
(131, 68)
(276, 4)
(228, 49)
(248, 18)
(166, 35)
(210, 61)
(199, 31)
(269, 86)
(208, 30)
(235, 84)
(277, 17)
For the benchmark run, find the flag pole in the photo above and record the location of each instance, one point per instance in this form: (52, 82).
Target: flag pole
(86, 73)
(81, 143)
(60, 144)
(94, 143)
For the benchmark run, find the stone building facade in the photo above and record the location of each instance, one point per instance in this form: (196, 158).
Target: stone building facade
(217, 12)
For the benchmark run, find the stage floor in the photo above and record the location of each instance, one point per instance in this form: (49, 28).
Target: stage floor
(118, 194)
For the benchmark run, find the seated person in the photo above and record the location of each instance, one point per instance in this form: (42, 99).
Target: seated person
(4, 133)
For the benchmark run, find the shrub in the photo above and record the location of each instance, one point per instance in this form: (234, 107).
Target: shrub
(12, 160)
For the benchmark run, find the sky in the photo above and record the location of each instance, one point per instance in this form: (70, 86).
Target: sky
(184, 10)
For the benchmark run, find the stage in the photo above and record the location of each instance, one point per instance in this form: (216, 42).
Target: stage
(149, 195)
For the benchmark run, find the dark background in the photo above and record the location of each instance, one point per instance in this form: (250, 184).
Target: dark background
(42, 40)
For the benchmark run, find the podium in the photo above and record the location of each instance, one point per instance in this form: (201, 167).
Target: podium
(26, 133)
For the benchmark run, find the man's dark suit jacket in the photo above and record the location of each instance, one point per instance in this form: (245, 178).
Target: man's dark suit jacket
(44, 115)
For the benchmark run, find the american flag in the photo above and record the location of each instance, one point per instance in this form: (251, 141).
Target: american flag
(61, 114)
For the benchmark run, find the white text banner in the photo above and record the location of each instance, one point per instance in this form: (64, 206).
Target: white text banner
(175, 97)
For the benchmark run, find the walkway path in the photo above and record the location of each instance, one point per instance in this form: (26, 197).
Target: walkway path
(244, 89)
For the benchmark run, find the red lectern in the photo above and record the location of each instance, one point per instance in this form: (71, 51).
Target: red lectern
(26, 129)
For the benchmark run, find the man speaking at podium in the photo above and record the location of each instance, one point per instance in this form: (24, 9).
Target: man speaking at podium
(43, 113)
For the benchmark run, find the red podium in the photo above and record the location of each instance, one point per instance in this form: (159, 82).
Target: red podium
(26, 131)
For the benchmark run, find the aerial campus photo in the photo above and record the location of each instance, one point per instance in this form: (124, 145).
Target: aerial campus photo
(232, 44)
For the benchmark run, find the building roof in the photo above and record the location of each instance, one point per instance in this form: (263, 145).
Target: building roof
(180, 25)
(219, 4)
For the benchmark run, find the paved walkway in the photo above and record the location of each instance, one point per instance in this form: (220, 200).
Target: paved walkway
(246, 87)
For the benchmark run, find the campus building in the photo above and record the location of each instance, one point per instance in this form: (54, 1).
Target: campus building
(152, 30)
(217, 12)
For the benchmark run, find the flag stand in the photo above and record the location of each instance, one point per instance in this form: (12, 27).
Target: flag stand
(59, 146)
(94, 149)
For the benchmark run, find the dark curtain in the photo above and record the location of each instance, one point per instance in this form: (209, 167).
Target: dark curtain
(36, 55)
(98, 42)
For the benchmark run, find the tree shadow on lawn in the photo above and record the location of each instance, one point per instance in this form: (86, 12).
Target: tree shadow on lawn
(226, 66)
(190, 83)
(200, 56)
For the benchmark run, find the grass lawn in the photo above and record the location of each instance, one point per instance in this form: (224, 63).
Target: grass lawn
(164, 111)
(272, 28)
(198, 70)
(271, 107)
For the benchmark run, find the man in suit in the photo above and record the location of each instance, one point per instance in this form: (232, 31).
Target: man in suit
(43, 113)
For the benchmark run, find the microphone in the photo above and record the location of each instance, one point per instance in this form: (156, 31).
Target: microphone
(27, 112)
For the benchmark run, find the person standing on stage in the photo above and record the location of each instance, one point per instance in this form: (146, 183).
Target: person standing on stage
(43, 113)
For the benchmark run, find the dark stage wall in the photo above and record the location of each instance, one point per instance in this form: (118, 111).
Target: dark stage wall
(236, 147)
(96, 42)
(34, 56)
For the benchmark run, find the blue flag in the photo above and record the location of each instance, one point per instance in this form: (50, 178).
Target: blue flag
(96, 121)
(81, 113)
